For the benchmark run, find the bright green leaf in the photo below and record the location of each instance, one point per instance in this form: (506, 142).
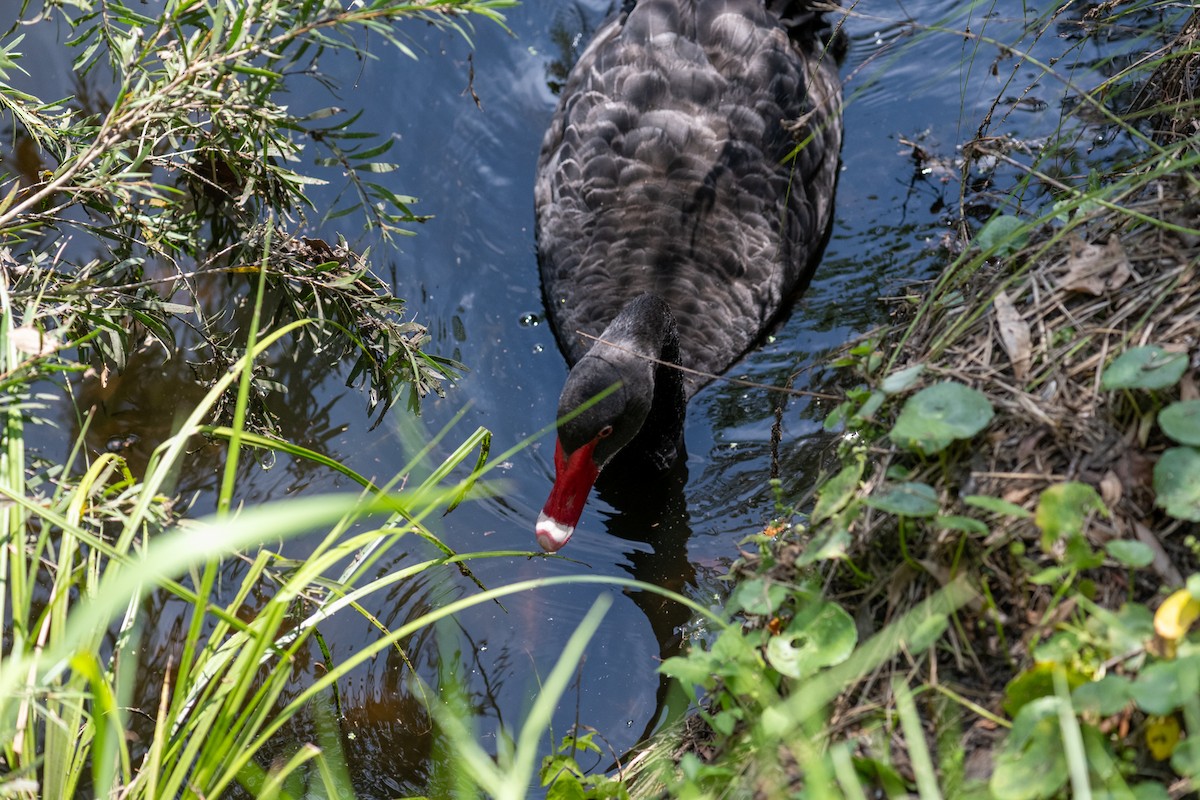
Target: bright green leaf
(724, 722)
(1163, 687)
(937, 415)
(956, 522)
(837, 491)
(997, 506)
(1049, 576)
(872, 404)
(695, 669)
(1037, 682)
(1105, 697)
(1032, 763)
(820, 636)
(903, 380)
(1062, 509)
(1150, 790)
(1186, 758)
(759, 596)
(831, 542)
(838, 416)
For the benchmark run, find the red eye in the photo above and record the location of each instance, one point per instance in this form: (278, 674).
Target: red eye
(605, 432)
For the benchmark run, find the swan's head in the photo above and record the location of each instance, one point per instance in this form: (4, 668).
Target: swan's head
(603, 406)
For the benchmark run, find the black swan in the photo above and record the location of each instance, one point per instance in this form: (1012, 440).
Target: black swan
(683, 188)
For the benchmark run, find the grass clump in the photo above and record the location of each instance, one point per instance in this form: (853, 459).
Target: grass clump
(118, 217)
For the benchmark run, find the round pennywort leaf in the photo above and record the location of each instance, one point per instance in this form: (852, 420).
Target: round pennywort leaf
(906, 500)
(1149, 367)
(937, 415)
(1181, 421)
(1006, 233)
(903, 380)
(1032, 762)
(1130, 553)
(821, 636)
(1177, 483)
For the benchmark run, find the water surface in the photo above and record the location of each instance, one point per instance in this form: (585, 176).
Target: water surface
(470, 274)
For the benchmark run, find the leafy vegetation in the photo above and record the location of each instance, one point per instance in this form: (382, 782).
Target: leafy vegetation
(117, 218)
(178, 180)
(1018, 451)
(987, 595)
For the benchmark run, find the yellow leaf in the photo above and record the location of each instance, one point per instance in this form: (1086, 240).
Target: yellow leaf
(1162, 734)
(1176, 615)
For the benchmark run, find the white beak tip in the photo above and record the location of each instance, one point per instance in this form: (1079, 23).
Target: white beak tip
(552, 534)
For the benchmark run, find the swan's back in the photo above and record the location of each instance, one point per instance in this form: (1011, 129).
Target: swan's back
(666, 170)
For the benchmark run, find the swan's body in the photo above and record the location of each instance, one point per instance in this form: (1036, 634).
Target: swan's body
(671, 220)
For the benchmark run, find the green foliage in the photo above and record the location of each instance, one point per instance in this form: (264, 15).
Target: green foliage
(1181, 422)
(1003, 235)
(1177, 483)
(1177, 472)
(1061, 513)
(103, 547)
(1033, 762)
(183, 178)
(1101, 667)
(191, 167)
(1149, 367)
(939, 415)
(820, 635)
(764, 687)
(906, 500)
(566, 780)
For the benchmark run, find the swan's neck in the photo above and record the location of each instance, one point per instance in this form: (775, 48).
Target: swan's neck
(661, 437)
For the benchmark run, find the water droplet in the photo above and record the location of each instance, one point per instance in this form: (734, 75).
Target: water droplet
(530, 320)
(537, 349)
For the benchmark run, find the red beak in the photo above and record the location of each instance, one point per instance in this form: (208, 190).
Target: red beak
(573, 479)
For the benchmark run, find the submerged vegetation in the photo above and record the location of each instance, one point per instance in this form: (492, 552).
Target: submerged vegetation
(990, 593)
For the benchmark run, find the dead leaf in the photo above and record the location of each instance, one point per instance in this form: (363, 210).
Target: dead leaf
(1095, 269)
(1017, 496)
(1111, 489)
(1135, 470)
(1014, 335)
(32, 341)
(1029, 444)
(1188, 389)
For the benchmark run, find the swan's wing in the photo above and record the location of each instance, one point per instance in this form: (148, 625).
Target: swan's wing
(666, 170)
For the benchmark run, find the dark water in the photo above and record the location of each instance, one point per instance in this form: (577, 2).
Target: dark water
(470, 274)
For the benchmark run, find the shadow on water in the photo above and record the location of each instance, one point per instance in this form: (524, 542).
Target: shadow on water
(471, 275)
(651, 513)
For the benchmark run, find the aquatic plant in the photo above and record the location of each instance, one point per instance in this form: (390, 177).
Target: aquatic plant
(115, 214)
(139, 205)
